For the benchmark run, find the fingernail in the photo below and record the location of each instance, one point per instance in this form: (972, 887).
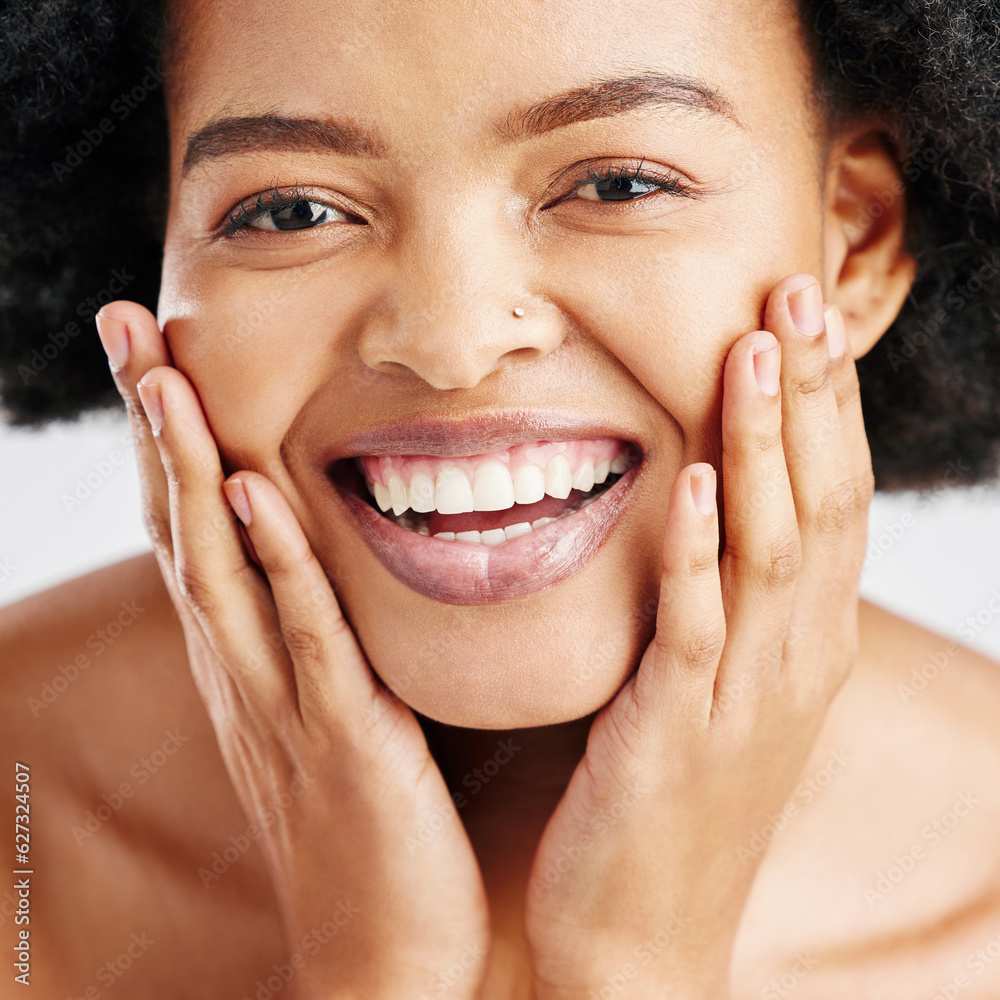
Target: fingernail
(806, 307)
(765, 368)
(114, 339)
(703, 491)
(151, 397)
(237, 495)
(836, 335)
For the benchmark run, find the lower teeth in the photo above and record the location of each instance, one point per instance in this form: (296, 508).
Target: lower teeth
(495, 536)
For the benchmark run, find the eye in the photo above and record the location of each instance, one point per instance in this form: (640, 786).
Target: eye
(282, 211)
(618, 184)
(301, 214)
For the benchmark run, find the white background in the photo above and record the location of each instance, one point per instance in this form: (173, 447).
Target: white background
(934, 560)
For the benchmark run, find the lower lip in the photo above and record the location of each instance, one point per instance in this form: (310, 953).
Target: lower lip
(468, 573)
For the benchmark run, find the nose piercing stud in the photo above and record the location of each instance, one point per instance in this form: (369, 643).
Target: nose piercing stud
(518, 311)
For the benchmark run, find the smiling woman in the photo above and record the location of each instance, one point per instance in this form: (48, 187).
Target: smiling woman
(503, 458)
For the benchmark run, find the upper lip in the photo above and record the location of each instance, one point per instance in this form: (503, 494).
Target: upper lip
(476, 433)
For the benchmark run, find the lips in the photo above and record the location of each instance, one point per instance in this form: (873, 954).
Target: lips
(465, 572)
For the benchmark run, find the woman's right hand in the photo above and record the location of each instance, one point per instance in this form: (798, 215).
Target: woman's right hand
(291, 696)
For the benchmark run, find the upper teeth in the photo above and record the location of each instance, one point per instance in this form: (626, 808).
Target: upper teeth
(449, 490)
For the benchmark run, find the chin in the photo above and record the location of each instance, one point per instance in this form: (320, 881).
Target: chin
(504, 674)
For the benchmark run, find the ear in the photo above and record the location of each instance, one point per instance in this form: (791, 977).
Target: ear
(867, 270)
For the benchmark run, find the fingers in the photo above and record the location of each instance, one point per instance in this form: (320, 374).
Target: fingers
(820, 632)
(676, 678)
(791, 496)
(763, 549)
(310, 659)
(331, 674)
(210, 568)
(852, 426)
(266, 636)
(134, 344)
(814, 444)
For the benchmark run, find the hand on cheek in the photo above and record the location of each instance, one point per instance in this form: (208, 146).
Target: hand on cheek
(709, 736)
(306, 730)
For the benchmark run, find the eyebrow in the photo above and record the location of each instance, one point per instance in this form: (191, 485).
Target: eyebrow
(232, 136)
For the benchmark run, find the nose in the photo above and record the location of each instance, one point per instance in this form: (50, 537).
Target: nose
(456, 310)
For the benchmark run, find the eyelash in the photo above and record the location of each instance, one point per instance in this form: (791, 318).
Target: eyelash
(265, 201)
(274, 199)
(670, 185)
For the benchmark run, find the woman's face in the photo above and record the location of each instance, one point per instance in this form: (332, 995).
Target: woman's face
(442, 165)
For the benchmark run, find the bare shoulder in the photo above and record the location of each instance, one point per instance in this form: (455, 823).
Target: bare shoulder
(885, 865)
(917, 661)
(62, 646)
(129, 794)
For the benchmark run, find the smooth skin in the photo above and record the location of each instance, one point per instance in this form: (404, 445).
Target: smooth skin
(668, 698)
(684, 752)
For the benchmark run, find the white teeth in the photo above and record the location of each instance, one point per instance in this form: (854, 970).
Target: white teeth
(584, 478)
(558, 477)
(398, 495)
(382, 497)
(494, 489)
(529, 484)
(516, 530)
(422, 493)
(495, 536)
(452, 493)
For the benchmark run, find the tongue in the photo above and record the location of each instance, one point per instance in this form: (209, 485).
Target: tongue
(485, 520)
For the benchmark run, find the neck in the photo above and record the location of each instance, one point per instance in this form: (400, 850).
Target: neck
(506, 784)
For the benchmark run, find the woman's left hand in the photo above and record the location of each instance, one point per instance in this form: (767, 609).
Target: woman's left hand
(638, 883)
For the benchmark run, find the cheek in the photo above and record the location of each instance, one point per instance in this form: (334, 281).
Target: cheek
(671, 313)
(256, 346)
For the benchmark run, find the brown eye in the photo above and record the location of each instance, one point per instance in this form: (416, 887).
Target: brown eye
(616, 188)
(300, 214)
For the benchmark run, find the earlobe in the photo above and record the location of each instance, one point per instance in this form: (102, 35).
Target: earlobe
(867, 269)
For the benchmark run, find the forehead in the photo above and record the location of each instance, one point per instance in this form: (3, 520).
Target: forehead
(444, 68)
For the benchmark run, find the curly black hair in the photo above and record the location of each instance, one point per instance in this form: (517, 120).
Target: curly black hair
(84, 131)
